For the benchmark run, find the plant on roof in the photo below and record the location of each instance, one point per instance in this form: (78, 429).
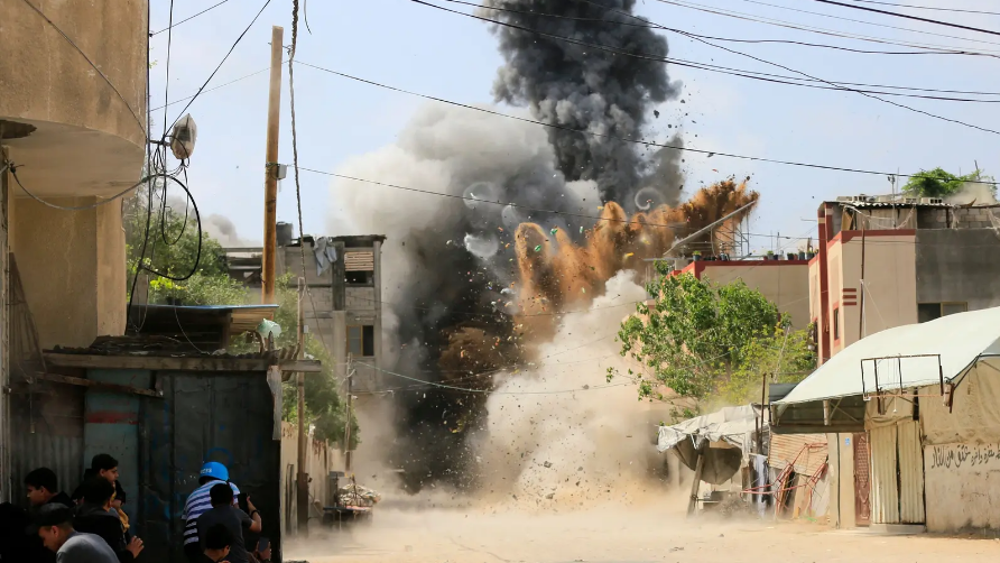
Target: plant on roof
(941, 183)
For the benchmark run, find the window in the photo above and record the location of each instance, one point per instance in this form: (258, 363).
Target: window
(930, 311)
(359, 278)
(836, 324)
(361, 341)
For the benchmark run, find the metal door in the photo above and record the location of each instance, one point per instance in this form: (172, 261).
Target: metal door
(862, 480)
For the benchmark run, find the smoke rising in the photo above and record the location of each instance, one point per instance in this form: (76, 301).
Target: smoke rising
(603, 91)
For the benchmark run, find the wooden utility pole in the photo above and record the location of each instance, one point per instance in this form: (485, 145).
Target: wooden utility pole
(271, 169)
(350, 407)
(302, 479)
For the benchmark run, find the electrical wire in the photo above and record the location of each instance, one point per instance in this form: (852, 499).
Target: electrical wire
(910, 17)
(222, 62)
(758, 59)
(818, 30)
(957, 10)
(865, 22)
(214, 88)
(729, 39)
(709, 153)
(13, 173)
(187, 19)
(93, 65)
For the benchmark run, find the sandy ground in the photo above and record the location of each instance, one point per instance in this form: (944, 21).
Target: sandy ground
(616, 535)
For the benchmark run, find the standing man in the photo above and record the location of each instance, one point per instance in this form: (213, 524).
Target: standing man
(235, 520)
(199, 502)
(95, 516)
(43, 488)
(105, 467)
(55, 527)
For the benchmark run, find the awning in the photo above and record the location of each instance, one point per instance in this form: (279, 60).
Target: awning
(724, 437)
(904, 357)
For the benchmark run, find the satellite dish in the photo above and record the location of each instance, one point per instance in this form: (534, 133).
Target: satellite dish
(182, 139)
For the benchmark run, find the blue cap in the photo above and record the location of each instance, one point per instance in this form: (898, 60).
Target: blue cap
(215, 470)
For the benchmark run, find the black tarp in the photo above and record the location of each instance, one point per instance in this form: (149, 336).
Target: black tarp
(224, 417)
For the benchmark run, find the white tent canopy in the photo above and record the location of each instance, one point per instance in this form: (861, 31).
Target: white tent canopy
(904, 357)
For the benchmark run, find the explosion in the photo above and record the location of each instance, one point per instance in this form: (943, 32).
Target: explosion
(539, 218)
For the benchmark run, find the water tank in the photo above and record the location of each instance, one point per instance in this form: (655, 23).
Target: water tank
(284, 233)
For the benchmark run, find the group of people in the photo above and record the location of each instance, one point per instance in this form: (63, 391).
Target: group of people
(91, 525)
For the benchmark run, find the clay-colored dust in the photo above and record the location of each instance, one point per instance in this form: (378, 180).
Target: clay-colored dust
(656, 532)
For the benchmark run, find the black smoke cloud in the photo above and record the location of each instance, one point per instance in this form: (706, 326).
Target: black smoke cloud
(448, 262)
(579, 87)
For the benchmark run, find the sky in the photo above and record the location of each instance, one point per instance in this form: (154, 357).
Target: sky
(418, 48)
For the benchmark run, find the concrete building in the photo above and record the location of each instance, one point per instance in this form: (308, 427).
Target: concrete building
(919, 259)
(72, 107)
(887, 262)
(343, 276)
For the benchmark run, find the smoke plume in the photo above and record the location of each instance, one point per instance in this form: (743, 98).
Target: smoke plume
(586, 66)
(535, 222)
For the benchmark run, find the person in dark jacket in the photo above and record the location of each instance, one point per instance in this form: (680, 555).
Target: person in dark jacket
(106, 467)
(97, 516)
(15, 544)
(43, 491)
(43, 488)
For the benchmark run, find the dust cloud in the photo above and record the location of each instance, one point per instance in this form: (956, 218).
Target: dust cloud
(973, 193)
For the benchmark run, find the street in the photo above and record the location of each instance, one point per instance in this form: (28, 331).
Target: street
(619, 536)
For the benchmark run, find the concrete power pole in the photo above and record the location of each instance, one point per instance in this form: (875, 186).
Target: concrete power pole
(350, 409)
(271, 169)
(302, 478)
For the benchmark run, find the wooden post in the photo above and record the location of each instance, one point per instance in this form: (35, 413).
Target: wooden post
(302, 479)
(271, 170)
(699, 468)
(861, 300)
(350, 406)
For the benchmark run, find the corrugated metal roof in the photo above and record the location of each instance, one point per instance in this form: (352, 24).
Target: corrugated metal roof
(807, 451)
(959, 338)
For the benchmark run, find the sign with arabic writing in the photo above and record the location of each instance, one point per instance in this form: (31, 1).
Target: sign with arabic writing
(961, 456)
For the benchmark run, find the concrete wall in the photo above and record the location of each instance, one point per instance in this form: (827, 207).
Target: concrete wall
(72, 267)
(958, 265)
(783, 282)
(79, 137)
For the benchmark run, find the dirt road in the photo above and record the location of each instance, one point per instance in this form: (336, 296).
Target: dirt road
(618, 536)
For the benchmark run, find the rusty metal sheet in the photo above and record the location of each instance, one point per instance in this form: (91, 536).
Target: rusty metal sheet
(911, 473)
(47, 431)
(885, 475)
(809, 452)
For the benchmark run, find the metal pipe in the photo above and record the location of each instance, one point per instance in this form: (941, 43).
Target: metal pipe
(707, 228)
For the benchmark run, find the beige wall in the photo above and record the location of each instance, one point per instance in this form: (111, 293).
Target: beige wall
(890, 298)
(83, 139)
(321, 459)
(72, 267)
(783, 283)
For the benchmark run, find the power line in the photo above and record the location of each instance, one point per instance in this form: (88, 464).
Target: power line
(729, 39)
(214, 88)
(957, 10)
(593, 133)
(641, 56)
(187, 19)
(910, 17)
(819, 30)
(93, 65)
(865, 22)
(222, 62)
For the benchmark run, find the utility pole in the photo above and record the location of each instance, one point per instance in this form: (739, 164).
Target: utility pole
(271, 169)
(302, 479)
(350, 406)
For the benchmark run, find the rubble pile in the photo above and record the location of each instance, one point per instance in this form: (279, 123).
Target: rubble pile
(356, 495)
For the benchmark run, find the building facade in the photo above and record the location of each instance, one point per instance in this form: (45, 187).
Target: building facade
(72, 127)
(883, 263)
(343, 306)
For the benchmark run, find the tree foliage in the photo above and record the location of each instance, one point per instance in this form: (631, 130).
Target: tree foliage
(172, 249)
(709, 341)
(941, 183)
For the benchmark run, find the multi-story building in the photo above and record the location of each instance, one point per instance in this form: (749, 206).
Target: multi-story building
(885, 262)
(72, 125)
(343, 306)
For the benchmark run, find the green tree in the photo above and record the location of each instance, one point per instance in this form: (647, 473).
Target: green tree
(172, 248)
(940, 183)
(710, 341)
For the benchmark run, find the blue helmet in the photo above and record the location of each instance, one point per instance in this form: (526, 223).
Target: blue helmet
(215, 470)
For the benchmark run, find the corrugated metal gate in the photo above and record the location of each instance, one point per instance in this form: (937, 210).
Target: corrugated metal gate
(898, 474)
